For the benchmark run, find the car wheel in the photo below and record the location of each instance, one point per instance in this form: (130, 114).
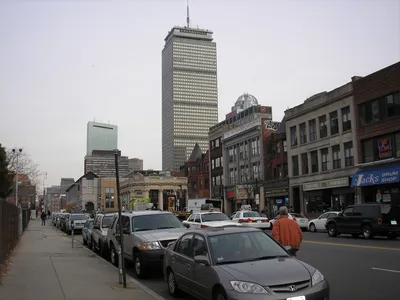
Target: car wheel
(391, 236)
(312, 227)
(367, 231)
(171, 282)
(113, 255)
(332, 230)
(138, 265)
(220, 294)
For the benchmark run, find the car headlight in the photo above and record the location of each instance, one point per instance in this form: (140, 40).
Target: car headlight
(317, 277)
(150, 246)
(248, 287)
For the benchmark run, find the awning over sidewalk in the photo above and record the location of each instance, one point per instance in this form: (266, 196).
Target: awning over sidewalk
(386, 175)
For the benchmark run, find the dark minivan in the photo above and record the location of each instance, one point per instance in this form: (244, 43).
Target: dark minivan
(368, 219)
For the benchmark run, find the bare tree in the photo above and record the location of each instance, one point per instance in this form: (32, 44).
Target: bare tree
(25, 165)
(247, 182)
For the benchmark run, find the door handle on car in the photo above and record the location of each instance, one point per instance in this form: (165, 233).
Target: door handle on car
(189, 267)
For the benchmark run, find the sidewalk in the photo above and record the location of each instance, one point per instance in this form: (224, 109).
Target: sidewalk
(46, 267)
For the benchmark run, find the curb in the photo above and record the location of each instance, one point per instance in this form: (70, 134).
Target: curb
(128, 277)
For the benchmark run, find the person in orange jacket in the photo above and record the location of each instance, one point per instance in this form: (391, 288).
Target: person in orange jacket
(287, 232)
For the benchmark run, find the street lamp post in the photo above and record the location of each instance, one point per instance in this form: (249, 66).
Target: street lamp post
(17, 152)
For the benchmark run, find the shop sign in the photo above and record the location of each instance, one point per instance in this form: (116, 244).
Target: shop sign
(243, 128)
(326, 184)
(276, 192)
(385, 148)
(241, 193)
(382, 176)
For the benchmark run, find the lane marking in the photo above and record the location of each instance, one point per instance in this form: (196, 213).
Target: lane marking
(386, 270)
(352, 246)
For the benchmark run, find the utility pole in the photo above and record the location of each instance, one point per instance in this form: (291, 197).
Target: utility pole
(122, 270)
(17, 152)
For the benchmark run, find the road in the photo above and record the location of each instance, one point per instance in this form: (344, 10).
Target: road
(355, 268)
(347, 263)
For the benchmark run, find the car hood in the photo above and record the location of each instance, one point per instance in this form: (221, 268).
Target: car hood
(162, 234)
(221, 223)
(269, 272)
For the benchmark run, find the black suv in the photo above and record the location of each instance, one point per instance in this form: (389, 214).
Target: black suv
(369, 219)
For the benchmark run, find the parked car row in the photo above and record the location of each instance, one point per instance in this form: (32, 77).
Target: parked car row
(63, 221)
(229, 261)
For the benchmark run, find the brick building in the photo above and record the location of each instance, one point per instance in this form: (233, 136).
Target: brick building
(377, 108)
(276, 169)
(197, 173)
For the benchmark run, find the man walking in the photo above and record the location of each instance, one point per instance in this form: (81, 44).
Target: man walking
(43, 217)
(287, 232)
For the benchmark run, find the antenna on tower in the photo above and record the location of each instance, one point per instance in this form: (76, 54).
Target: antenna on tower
(187, 14)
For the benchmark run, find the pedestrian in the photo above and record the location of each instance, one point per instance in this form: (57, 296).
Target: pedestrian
(49, 213)
(287, 232)
(43, 217)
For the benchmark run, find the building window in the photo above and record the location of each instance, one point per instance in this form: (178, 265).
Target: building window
(278, 147)
(241, 151)
(336, 157)
(212, 164)
(89, 186)
(333, 116)
(256, 170)
(349, 154)
(232, 178)
(230, 154)
(217, 143)
(324, 159)
(234, 153)
(368, 150)
(284, 146)
(393, 105)
(346, 118)
(323, 127)
(275, 173)
(313, 130)
(246, 150)
(285, 170)
(303, 133)
(372, 111)
(109, 197)
(244, 174)
(314, 161)
(295, 163)
(293, 136)
(218, 162)
(279, 171)
(304, 164)
(255, 146)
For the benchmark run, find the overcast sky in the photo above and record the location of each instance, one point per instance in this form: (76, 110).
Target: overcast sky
(63, 63)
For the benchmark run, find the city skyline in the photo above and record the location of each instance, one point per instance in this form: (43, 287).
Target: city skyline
(104, 64)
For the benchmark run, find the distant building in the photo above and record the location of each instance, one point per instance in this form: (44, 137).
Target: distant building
(51, 193)
(189, 93)
(196, 171)
(65, 183)
(84, 194)
(102, 163)
(135, 164)
(101, 136)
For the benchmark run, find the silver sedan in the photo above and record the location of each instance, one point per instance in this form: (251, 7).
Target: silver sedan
(239, 264)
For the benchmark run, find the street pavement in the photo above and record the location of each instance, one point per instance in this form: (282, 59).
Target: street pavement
(355, 268)
(45, 266)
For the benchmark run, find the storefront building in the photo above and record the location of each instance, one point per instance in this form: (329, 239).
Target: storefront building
(377, 105)
(321, 151)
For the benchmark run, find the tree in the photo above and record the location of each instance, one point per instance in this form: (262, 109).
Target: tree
(248, 183)
(25, 165)
(6, 177)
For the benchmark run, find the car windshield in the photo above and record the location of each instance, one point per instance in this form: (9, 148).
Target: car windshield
(106, 221)
(297, 215)
(155, 221)
(214, 217)
(251, 214)
(244, 246)
(78, 217)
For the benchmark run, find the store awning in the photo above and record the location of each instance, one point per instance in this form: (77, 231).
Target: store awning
(386, 175)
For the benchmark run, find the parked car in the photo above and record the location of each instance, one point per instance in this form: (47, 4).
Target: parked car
(101, 224)
(78, 219)
(87, 233)
(368, 219)
(209, 219)
(238, 263)
(146, 235)
(318, 224)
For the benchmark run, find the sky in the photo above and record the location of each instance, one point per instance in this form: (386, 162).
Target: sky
(64, 63)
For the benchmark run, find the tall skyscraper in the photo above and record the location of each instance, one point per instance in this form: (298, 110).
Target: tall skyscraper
(189, 93)
(101, 136)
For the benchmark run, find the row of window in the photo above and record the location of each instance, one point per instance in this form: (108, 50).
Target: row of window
(379, 109)
(246, 175)
(246, 147)
(109, 198)
(281, 171)
(381, 147)
(312, 134)
(325, 159)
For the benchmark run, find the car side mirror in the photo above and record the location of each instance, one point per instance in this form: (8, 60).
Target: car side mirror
(340, 214)
(186, 225)
(201, 259)
(125, 231)
(170, 244)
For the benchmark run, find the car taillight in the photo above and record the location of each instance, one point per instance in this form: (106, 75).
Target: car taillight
(204, 226)
(245, 220)
(266, 220)
(294, 219)
(380, 221)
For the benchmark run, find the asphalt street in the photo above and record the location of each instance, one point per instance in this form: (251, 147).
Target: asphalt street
(355, 268)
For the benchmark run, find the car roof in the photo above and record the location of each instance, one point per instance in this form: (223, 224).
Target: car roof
(146, 213)
(224, 230)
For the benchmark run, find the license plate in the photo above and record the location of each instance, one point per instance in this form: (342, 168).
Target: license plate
(394, 222)
(302, 221)
(297, 298)
(258, 221)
